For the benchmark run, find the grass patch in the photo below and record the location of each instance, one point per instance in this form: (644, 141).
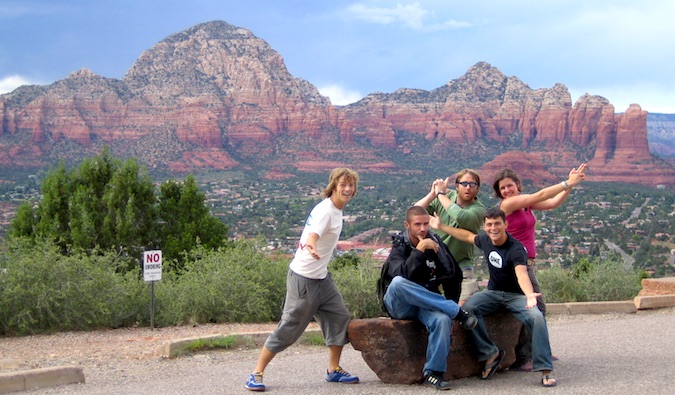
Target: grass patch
(313, 339)
(213, 343)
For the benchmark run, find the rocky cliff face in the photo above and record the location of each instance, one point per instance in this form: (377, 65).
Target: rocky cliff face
(216, 96)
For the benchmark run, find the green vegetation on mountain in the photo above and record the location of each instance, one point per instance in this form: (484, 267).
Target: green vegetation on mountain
(70, 259)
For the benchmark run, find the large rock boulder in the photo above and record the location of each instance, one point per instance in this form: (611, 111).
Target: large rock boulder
(396, 349)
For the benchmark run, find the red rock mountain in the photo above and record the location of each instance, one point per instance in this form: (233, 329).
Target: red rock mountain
(217, 97)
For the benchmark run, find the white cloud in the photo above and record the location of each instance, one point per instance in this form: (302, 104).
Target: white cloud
(339, 95)
(11, 82)
(23, 9)
(410, 15)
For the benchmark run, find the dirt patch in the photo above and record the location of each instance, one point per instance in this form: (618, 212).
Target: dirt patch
(103, 346)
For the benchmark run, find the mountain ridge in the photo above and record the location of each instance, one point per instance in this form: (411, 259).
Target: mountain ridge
(215, 96)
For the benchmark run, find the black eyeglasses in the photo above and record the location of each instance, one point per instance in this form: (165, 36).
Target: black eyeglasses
(468, 184)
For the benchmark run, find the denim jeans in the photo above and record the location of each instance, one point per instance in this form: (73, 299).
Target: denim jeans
(524, 347)
(488, 301)
(406, 300)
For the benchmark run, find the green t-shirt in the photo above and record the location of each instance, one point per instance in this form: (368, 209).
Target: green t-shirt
(469, 218)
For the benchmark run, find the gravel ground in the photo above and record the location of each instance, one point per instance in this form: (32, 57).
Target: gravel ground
(103, 347)
(607, 353)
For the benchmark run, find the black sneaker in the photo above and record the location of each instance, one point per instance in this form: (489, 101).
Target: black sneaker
(432, 380)
(466, 319)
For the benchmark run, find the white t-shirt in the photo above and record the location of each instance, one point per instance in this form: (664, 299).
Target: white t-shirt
(325, 220)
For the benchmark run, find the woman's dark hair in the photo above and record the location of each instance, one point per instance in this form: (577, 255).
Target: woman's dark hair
(501, 175)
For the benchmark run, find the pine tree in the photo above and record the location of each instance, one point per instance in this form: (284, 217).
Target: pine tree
(105, 204)
(185, 219)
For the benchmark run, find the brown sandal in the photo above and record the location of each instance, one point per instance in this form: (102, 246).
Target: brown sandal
(491, 368)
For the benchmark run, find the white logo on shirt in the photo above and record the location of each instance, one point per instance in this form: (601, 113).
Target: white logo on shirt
(432, 266)
(495, 260)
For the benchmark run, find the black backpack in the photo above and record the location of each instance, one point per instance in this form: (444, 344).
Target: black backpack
(382, 285)
(385, 279)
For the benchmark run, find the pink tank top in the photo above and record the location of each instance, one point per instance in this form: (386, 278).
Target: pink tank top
(521, 226)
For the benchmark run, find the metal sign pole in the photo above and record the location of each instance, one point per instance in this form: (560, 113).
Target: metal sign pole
(152, 305)
(152, 272)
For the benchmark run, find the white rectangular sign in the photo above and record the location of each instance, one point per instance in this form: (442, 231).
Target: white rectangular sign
(152, 265)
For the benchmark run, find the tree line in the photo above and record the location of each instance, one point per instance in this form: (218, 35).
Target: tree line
(106, 204)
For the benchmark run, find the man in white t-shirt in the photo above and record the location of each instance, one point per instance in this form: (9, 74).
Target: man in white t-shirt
(310, 289)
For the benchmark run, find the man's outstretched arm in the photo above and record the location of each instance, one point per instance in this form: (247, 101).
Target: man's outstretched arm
(458, 233)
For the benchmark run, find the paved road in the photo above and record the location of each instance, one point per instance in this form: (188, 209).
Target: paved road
(599, 354)
(636, 212)
(627, 259)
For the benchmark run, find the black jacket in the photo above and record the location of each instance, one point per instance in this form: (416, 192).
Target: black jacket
(410, 263)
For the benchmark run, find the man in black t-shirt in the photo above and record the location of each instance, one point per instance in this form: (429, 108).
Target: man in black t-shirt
(509, 288)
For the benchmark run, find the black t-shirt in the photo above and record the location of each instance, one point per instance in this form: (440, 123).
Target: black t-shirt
(502, 261)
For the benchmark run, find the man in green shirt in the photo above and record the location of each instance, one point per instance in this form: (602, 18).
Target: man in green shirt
(459, 208)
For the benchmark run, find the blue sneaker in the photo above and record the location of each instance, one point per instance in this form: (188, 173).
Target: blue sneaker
(254, 382)
(340, 376)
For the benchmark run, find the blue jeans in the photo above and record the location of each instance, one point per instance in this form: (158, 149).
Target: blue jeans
(488, 301)
(406, 300)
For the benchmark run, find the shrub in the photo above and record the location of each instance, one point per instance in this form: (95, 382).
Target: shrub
(590, 281)
(238, 284)
(357, 284)
(44, 291)
(348, 259)
(559, 285)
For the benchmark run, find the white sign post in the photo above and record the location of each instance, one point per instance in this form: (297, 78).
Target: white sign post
(152, 265)
(152, 271)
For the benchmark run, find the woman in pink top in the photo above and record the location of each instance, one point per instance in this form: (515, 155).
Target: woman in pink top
(521, 225)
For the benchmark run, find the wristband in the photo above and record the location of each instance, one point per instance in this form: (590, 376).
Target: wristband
(440, 193)
(565, 185)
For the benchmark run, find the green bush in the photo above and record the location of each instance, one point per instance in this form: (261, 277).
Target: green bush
(590, 281)
(357, 284)
(348, 259)
(42, 290)
(238, 284)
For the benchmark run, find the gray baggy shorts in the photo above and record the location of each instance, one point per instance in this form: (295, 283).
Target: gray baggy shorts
(306, 299)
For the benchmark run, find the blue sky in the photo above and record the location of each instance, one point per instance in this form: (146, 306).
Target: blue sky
(622, 50)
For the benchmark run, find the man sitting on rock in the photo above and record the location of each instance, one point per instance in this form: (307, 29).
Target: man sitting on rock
(418, 265)
(509, 288)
